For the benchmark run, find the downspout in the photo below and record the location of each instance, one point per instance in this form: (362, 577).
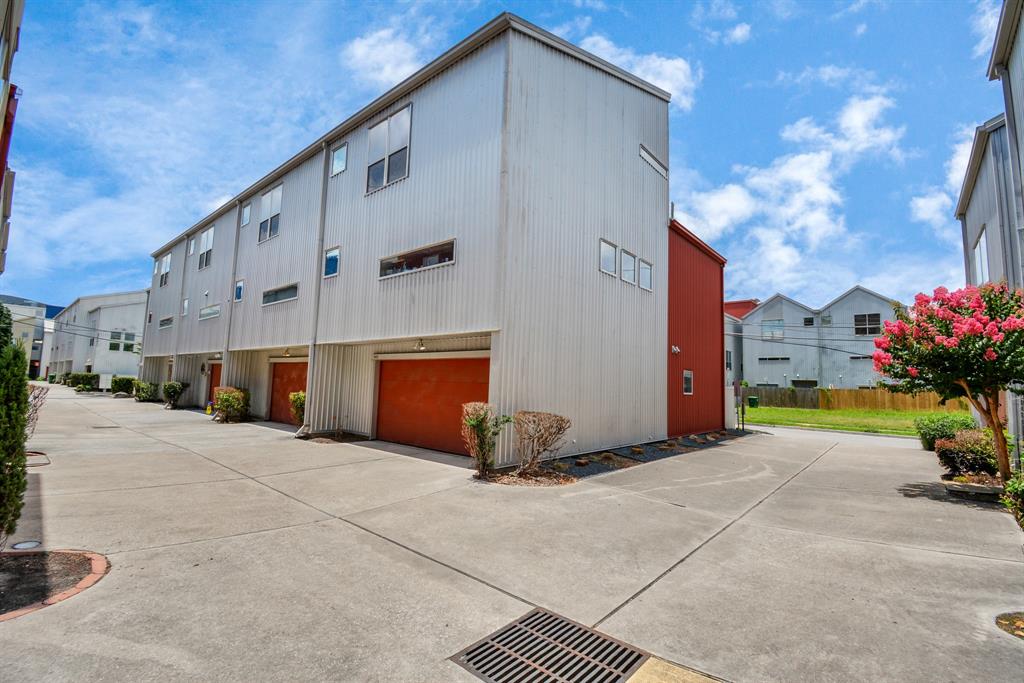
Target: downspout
(318, 274)
(226, 369)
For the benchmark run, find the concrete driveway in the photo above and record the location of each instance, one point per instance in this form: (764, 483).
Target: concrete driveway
(239, 553)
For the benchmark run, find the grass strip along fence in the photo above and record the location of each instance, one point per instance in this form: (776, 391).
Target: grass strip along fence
(847, 399)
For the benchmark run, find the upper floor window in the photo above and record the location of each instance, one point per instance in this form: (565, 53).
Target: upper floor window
(114, 346)
(809, 322)
(608, 258)
(339, 158)
(115, 336)
(773, 329)
(166, 322)
(331, 258)
(270, 213)
(191, 246)
(688, 382)
(209, 312)
(388, 156)
(628, 269)
(129, 337)
(239, 288)
(246, 214)
(728, 359)
(205, 247)
(427, 257)
(184, 307)
(980, 259)
(165, 269)
(867, 323)
(646, 276)
(286, 293)
(826, 321)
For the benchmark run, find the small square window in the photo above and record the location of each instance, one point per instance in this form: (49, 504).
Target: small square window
(331, 258)
(114, 346)
(688, 382)
(239, 288)
(628, 267)
(246, 214)
(646, 276)
(115, 335)
(826, 321)
(339, 159)
(809, 322)
(609, 252)
(129, 336)
(129, 347)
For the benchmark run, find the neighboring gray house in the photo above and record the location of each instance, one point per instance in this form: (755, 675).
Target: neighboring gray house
(30, 320)
(789, 344)
(101, 333)
(495, 227)
(990, 206)
(733, 349)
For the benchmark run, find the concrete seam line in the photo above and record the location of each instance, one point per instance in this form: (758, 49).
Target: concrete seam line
(439, 562)
(134, 488)
(320, 467)
(884, 543)
(710, 538)
(220, 538)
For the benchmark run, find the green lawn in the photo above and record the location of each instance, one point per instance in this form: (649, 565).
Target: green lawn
(851, 420)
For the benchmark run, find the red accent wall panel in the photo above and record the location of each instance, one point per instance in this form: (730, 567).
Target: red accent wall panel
(285, 379)
(696, 328)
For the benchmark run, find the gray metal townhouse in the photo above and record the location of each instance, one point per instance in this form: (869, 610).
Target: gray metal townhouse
(990, 208)
(495, 227)
(789, 344)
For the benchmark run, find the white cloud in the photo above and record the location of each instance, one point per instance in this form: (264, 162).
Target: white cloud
(956, 165)
(855, 7)
(984, 21)
(596, 5)
(384, 57)
(715, 10)
(935, 207)
(860, 29)
(859, 131)
(864, 81)
(673, 74)
(740, 33)
(572, 28)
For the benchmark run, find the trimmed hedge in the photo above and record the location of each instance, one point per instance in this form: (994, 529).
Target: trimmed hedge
(971, 451)
(931, 428)
(122, 385)
(13, 421)
(173, 391)
(89, 380)
(231, 404)
(146, 391)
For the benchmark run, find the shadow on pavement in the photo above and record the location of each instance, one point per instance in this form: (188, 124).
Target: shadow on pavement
(934, 490)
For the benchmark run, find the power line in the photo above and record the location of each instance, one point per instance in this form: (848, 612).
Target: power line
(794, 343)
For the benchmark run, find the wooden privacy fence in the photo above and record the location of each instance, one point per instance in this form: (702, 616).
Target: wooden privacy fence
(861, 399)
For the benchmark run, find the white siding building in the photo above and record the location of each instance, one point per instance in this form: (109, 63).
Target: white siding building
(789, 344)
(100, 333)
(444, 244)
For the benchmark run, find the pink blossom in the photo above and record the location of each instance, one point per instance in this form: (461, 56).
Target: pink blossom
(922, 300)
(912, 371)
(990, 355)
(882, 342)
(1013, 323)
(941, 294)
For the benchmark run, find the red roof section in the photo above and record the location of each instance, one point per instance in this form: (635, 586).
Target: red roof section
(740, 307)
(696, 241)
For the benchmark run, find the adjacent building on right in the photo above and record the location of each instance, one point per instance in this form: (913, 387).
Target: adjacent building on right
(990, 208)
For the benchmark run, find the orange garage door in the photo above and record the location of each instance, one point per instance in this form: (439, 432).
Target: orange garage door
(420, 401)
(287, 377)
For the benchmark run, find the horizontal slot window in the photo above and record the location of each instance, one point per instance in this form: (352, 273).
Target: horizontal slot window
(166, 322)
(274, 296)
(208, 312)
(427, 257)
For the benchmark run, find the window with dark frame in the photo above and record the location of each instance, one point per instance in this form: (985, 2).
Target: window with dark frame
(239, 288)
(808, 322)
(728, 359)
(286, 293)
(165, 269)
(166, 322)
(388, 153)
(427, 257)
(205, 248)
(867, 324)
(270, 214)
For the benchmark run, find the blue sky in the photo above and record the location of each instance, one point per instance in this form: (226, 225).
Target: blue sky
(816, 145)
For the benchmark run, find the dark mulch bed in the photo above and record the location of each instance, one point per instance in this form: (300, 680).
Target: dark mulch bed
(29, 578)
(543, 477)
(1012, 623)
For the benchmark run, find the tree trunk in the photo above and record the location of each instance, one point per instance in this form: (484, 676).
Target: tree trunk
(996, 425)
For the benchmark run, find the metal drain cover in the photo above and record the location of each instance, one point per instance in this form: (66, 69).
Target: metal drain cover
(26, 545)
(544, 646)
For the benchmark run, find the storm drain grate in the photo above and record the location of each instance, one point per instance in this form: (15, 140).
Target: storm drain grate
(543, 646)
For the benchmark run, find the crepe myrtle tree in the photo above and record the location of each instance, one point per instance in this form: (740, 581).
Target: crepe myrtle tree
(967, 343)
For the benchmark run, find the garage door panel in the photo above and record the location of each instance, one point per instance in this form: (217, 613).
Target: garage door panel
(420, 401)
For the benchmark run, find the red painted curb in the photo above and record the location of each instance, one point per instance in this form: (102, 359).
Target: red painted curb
(100, 565)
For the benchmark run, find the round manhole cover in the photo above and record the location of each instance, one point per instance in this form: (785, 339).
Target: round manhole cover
(26, 545)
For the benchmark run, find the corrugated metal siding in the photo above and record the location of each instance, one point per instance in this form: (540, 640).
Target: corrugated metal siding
(346, 380)
(206, 287)
(695, 291)
(452, 191)
(251, 370)
(573, 340)
(283, 260)
(798, 345)
(837, 368)
(984, 211)
(165, 301)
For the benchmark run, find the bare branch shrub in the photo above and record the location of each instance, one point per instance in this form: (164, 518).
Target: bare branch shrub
(36, 399)
(537, 434)
(481, 426)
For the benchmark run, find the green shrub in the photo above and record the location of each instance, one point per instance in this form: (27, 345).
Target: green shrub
(13, 422)
(231, 404)
(481, 426)
(145, 391)
(122, 385)
(89, 380)
(971, 451)
(6, 326)
(63, 378)
(173, 392)
(298, 401)
(51, 378)
(1013, 497)
(931, 428)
